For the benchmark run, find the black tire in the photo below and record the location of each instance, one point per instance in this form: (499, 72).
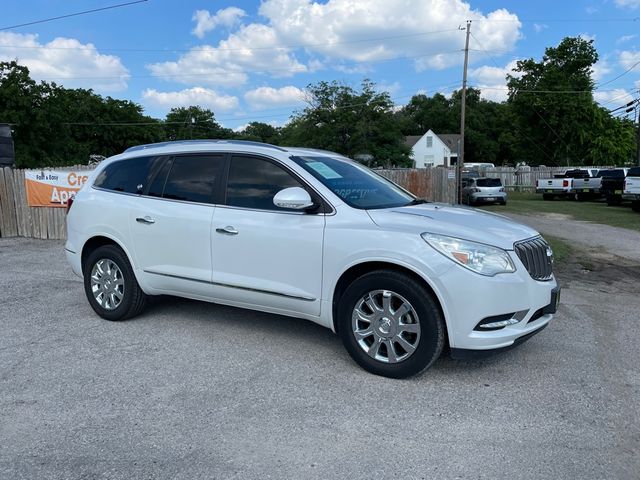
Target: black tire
(581, 197)
(428, 342)
(132, 299)
(547, 196)
(635, 206)
(503, 202)
(613, 200)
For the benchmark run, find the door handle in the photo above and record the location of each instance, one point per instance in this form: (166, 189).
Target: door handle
(228, 230)
(148, 220)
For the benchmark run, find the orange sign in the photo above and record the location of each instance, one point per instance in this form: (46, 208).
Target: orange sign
(52, 188)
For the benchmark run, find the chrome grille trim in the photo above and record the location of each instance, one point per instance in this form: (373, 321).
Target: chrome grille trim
(533, 255)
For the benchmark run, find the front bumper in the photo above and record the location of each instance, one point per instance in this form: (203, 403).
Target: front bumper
(469, 298)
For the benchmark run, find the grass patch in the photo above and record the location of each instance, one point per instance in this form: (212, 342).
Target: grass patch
(562, 250)
(592, 211)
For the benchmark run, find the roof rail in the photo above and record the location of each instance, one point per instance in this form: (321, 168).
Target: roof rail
(197, 142)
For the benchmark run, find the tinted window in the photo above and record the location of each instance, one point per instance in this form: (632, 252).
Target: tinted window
(634, 172)
(489, 182)
(158, 178)
(358, 186)
(253, 183)
(127, 176)
(611, 173)
(192, 178)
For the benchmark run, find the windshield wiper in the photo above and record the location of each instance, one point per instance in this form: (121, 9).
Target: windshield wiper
(416, 201)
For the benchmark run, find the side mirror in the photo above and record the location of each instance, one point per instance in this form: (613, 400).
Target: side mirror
(295, 197)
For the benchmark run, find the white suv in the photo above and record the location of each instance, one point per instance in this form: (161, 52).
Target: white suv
(309, 234)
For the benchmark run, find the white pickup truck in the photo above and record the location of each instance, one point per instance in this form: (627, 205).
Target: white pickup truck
(632, 188)
(578, 183)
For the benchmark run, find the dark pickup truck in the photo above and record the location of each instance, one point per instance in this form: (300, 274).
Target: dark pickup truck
(612, 184)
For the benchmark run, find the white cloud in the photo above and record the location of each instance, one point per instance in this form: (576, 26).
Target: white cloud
(65, 61)
(269, 97)
(628, 3)
(625, 38)
(390, 88)
(538, 27)
(253, 48)
(628, 58)
(488, 74)
(205, 22)
(343, 29)
(199, 96)
(492, 81)
(600, 69)
(588, 37)
(340, 31)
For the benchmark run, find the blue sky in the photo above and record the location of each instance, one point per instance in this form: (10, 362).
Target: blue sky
(251, 60)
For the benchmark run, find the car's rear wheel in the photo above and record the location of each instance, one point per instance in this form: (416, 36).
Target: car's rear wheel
(635, 206)
(547, 196)
(390, 324)
(110, 285)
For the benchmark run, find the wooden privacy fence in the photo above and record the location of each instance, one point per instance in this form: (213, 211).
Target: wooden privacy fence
(18, 219)
(434, 184)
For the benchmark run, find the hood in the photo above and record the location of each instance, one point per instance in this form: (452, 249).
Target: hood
(454, 221)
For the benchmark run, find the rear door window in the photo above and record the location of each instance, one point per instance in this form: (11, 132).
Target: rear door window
(190, 178)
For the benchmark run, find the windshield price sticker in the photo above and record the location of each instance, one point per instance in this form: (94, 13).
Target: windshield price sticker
(324, 170)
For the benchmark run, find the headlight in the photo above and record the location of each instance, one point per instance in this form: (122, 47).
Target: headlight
(477, 257)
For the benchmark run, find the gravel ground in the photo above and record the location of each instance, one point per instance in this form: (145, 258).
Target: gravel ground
(192, 390)
(621, 241)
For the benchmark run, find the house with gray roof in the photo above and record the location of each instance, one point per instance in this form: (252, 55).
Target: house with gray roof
(433, 150)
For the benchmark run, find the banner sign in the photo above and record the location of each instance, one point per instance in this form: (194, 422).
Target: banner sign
(52, 188)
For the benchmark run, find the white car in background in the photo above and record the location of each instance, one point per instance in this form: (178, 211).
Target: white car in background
(308, 234)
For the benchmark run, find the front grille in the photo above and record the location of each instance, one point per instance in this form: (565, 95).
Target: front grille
(533, 253)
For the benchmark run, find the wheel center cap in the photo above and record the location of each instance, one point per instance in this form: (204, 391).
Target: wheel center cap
(384, 326)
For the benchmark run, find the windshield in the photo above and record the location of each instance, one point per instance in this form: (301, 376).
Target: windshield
(358, 186)
(489, 182)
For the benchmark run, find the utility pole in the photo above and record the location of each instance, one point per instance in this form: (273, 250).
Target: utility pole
(460, 162)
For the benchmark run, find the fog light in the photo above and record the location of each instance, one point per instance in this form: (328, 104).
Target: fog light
(497, 322)
(500, 324)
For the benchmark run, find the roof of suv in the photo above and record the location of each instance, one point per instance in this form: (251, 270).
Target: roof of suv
(199, 145)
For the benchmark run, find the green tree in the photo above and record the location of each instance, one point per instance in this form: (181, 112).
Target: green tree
(569, 126)
(359, 124)
(260, 132)
(55, 126)
(184, 123)
(423, 113)
(488, 136)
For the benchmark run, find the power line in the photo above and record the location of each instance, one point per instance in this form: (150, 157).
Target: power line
(72, 15)
(621, 75)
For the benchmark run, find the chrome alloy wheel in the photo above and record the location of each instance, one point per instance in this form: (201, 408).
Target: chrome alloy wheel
(107, 284)
(386, 326)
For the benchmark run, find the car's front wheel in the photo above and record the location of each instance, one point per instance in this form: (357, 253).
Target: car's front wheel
(390, 324)
(110, 285)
